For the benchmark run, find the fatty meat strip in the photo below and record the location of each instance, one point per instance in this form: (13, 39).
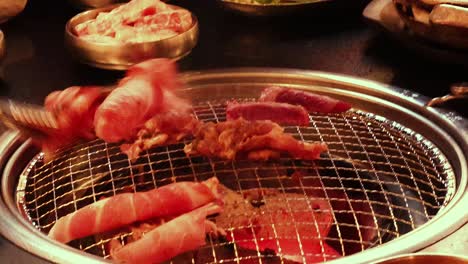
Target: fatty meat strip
(312, 102)
(126, 208)
(256, 140)
(281, 113)
(183, 233)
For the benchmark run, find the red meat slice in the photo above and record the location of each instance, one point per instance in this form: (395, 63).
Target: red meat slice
(312, 102)
(277, 112)
(232, 139)
(123, 209)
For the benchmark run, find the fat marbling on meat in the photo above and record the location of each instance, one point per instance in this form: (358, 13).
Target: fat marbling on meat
(183, 233)
(126, 208)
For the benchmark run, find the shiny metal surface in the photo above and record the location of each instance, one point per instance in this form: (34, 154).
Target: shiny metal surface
(122, 56)
(274, 9)
(425, 258)
(448, 131)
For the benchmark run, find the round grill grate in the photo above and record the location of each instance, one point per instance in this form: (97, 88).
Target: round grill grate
(380, 179)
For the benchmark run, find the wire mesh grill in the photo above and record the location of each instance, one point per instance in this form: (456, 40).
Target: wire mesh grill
(379, 179)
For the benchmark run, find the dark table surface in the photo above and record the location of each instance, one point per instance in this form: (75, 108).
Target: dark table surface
(332, 39)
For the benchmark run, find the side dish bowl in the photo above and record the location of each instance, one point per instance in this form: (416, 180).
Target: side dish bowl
(120, 56)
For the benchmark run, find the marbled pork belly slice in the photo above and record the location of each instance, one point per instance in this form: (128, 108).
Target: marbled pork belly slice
(126, 208)
(181, 234)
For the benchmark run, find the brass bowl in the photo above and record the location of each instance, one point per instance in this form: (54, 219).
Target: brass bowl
(425, 258)
(120, 56)
(275, 9)
(89, 4)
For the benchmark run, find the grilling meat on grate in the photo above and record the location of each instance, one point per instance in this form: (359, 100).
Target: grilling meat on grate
(281, 113)
(312, 102)
(293, 225)
(123, 209)
(143, 110)
(147, 90)
(257, 140)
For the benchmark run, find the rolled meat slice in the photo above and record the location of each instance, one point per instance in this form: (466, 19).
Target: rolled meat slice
(138, 97)
(126, 208)
(183, 233)
(281, 113)
(310, 101)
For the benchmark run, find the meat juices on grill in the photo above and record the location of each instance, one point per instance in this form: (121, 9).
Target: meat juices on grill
(283, 222)
(281, 113)
(147, 90)
(183, 233)
(312, 102)
(123, 209)
(256, 140)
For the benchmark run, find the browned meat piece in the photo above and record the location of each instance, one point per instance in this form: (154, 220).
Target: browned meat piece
(162, 129)
(255, 140)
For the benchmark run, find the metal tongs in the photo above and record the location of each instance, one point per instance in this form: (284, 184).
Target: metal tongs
(31, 120)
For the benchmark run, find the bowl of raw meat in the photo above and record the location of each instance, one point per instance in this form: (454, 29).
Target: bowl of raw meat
(119, 36)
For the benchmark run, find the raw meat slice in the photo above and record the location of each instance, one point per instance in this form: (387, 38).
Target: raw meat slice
(281, 113)
(123, 209)
(312, 102)
(183, 233)
(138, 98)
(236, 138)
(136, 21)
